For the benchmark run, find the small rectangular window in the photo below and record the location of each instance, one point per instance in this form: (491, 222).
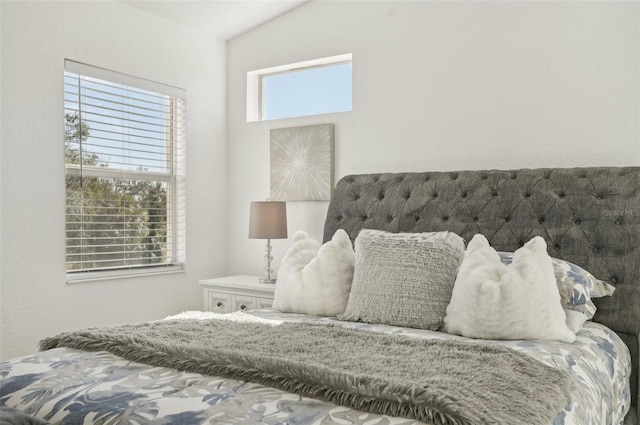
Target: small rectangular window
(313, 87)
(124, 167)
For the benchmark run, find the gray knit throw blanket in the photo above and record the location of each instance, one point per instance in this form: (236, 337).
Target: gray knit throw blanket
(440, 382)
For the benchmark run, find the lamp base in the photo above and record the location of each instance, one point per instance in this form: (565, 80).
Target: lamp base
(267, 280)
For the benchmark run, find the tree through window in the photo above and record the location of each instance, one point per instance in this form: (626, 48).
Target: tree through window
(124, 162)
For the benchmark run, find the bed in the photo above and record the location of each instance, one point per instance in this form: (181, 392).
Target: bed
(587, 216)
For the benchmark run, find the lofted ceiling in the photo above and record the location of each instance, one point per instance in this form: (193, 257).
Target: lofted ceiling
(223, 19)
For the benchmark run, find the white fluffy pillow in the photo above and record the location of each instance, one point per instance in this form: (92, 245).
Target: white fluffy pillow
(491, 300)
(315, 279)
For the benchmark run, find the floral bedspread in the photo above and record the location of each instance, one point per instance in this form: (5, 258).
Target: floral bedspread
(70, 386)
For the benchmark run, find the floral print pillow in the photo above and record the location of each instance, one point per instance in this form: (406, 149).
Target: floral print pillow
(576, 285)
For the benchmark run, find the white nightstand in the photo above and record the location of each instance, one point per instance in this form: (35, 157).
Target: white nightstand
(233, 293)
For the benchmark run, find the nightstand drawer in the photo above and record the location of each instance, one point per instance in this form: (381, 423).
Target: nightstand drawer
(218, 302)
(262, 303)
(236, 293)
(243, 303)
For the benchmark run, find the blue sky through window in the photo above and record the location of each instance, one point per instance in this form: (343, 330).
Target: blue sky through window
(312, 91)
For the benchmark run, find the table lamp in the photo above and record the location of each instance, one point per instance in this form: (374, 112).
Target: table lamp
(268, 220)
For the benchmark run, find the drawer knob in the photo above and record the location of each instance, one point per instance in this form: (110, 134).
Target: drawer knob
(219, 303)
(243, 307)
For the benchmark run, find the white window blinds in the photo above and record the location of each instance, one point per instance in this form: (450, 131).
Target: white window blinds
(125, 168)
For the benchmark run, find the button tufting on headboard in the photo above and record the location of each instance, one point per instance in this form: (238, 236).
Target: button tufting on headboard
(589, 216)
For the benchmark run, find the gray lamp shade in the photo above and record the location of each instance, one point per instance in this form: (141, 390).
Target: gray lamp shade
(268, 220)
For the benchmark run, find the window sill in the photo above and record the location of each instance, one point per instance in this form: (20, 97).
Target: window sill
(123, 274)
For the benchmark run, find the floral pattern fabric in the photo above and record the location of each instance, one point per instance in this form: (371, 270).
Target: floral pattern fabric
(576, 285)
(70, 386)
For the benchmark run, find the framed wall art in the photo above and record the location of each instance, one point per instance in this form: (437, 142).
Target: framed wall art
(301, 160)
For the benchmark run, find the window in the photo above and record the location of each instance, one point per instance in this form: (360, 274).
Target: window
(124, 169)
(306, 88)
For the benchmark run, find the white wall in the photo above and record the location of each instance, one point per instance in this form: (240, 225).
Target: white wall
(444, 86)
(36, 38)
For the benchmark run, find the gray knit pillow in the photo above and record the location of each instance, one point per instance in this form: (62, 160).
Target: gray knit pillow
(403, 279)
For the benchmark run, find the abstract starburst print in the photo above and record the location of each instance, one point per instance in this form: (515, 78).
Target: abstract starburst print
(301, 163)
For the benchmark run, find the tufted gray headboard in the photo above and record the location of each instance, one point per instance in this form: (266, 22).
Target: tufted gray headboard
(589, 216)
